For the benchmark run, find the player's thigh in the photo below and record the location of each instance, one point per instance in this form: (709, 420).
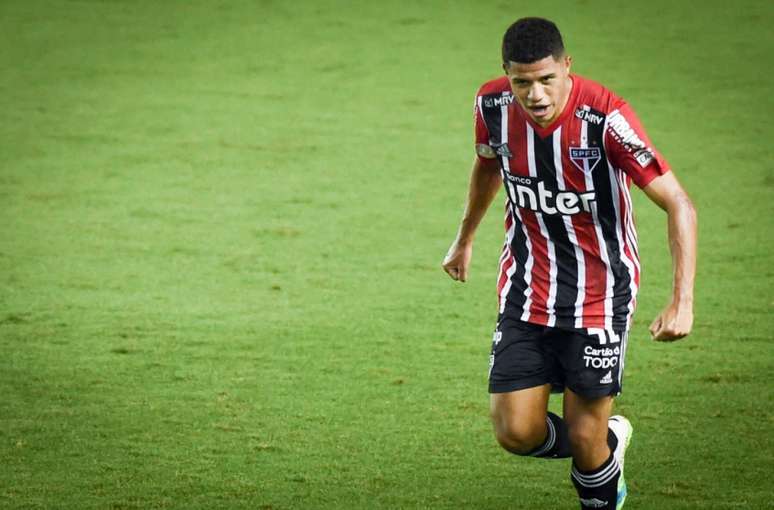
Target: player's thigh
(577, 407)
(520, 412)
(520, 358)
(587, 428)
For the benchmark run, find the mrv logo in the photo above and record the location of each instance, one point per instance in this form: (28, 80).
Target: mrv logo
(607, 357)
(492, 101)
(528, 193)
(585, 113)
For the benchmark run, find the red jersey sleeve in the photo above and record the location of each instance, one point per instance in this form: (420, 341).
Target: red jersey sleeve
(630, 149)
(484, 152)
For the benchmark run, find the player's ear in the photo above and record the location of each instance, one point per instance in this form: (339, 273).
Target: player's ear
(567, 62)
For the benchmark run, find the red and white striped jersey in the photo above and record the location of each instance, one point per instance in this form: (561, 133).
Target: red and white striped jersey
(570, 254)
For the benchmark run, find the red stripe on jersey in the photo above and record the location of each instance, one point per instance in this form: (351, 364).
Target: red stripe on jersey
(627, 230)
(595, 270)
(540, 269)
(506, 259)
(502, 281)
(596, 273)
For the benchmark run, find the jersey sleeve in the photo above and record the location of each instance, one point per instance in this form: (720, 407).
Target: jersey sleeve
(485, 154)
(630, 149)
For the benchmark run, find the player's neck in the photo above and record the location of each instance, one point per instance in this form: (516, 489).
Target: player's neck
(561, 105)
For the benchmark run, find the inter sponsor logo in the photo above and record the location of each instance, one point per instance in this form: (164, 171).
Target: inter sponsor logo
(585, 158)
(528, 193)
(585, 113)
(495, 101)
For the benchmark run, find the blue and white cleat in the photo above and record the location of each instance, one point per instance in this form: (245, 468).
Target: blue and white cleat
(622, 429)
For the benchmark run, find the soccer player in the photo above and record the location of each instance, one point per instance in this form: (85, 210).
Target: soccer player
(566, 150)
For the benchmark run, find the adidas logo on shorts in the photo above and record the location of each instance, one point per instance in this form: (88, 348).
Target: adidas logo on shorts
(607, 379)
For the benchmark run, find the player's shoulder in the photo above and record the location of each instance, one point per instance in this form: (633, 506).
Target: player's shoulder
(596, 96)
(493, 95)
(495, 87)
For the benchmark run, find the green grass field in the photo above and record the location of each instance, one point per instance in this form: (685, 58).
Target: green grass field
(222, 228)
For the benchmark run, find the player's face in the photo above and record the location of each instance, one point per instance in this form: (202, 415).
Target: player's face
(542, 87)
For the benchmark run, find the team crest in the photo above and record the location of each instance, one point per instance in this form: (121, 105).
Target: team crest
(585, 158)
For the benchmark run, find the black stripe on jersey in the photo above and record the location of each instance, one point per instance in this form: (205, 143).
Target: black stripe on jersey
(566, 265)
(491, 108)
(622, 294)
(493, 118)
(516, 296)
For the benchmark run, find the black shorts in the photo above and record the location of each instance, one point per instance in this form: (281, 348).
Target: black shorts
(588, 361)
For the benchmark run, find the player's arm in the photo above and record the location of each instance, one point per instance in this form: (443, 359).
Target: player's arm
(483, 187)
(675, 321)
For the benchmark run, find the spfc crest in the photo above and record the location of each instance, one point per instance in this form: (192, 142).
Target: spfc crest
(585, 158)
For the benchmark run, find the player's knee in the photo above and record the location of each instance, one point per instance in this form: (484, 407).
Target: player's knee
(518, 437)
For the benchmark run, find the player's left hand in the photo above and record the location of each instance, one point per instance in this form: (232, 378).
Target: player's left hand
(673, 323)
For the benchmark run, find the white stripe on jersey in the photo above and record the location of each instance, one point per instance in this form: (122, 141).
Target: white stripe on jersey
(598, 229)
(630, 237)
(530, 261)
(631, 232)
(619, 229)
(579, 258)
(619, 232)
(622, 356)
(509, 272)
(506, 247)
(551, 300)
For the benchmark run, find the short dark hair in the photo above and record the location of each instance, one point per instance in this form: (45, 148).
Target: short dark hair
(531, 39)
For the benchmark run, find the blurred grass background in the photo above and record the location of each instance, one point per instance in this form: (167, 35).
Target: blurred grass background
(223, 223)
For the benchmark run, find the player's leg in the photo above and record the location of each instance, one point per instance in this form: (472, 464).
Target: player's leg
(587, 426)
(519, 418)
(597, 471)
(593, 361)
(519, 380)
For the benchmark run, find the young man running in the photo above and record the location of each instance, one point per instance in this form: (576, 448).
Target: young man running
(566, 150)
